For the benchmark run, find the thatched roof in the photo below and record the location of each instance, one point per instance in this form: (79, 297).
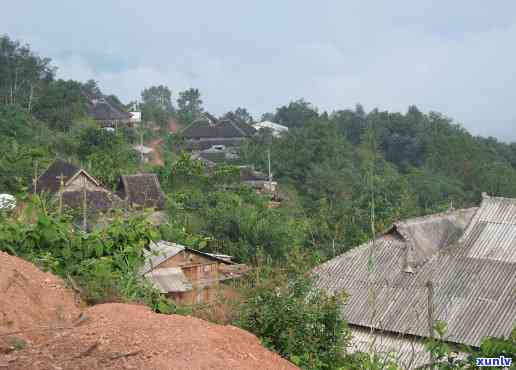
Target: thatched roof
(209, 127)
(469, 256)
(50, 180)
(96, 200)
(102, 110)
(142, 190)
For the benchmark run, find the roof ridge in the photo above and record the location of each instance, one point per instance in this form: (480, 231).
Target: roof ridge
(486, 196)
(419, 219)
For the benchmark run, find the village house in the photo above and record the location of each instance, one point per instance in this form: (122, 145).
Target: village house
(141, 190)
(208, 131)
(257, 180)
(216, 154)
(136, 117)
(74, 188)
(463, 262)
(190, 276)
(102, 111)
(276, 129)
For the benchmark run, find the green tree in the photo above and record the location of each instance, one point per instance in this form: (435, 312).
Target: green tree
(295, 114)
(189, 105)
(293, 318)
(157, 104)
(23, 74)
(240, 114)
(62, 103)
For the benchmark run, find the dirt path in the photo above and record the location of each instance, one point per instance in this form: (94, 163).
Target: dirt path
(156, 144)
(173, 126)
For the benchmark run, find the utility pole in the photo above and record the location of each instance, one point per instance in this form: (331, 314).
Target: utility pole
(269, 161)
(141, 146)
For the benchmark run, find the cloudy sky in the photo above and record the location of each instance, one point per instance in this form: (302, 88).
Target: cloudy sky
(456, 57)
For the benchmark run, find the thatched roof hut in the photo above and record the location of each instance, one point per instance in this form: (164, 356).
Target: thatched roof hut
(142, 190)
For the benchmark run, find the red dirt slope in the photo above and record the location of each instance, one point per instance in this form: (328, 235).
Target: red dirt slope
(32, 301)
(114, 336)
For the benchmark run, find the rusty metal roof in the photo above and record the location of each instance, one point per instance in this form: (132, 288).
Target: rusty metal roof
(474, 276)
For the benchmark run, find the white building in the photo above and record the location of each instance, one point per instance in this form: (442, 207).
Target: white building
(135, 117)
(277, 129)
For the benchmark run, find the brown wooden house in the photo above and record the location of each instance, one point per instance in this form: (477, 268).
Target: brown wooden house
(189, 276)
(74, 187)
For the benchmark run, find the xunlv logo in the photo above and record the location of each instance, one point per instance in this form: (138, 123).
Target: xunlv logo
(494, 361)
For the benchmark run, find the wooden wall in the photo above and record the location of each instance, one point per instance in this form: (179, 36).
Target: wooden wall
(202, 272)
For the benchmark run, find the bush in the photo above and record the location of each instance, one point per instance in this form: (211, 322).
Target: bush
(104, 264)
(285, 310)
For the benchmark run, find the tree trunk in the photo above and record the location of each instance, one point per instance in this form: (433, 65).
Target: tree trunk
(29, 107)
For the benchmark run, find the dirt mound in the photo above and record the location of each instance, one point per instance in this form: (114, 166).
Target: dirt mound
(32, 303)
(122, 336)
(112, 336)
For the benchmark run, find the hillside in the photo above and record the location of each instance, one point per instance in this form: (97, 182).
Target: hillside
(341, 176)
(41, 311)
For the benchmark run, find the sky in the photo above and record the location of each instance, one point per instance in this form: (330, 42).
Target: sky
(454, 57)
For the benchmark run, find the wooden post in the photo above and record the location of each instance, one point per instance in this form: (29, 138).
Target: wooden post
(84, 206)
(61, 186)
(141, 146)
(35, 181)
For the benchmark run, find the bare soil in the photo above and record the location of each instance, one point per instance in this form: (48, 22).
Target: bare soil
(113, 335)
(156, 145)
(33, 303)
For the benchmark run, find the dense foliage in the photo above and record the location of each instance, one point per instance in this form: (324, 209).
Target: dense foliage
(409, 164)
(102, 265)
(285, 311)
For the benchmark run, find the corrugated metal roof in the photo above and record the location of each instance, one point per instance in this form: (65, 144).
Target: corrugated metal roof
(169, 280)
(161, 251)
(474, 279)
(158, 253)
(271, 125)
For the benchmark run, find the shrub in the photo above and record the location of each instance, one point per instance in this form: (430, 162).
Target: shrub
(285, 310)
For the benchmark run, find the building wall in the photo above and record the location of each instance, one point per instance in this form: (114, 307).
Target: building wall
(202, 272)
(79, 182)
(406, 350)
(205, 295)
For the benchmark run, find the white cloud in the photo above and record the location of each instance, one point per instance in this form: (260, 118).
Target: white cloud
(454, 57)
